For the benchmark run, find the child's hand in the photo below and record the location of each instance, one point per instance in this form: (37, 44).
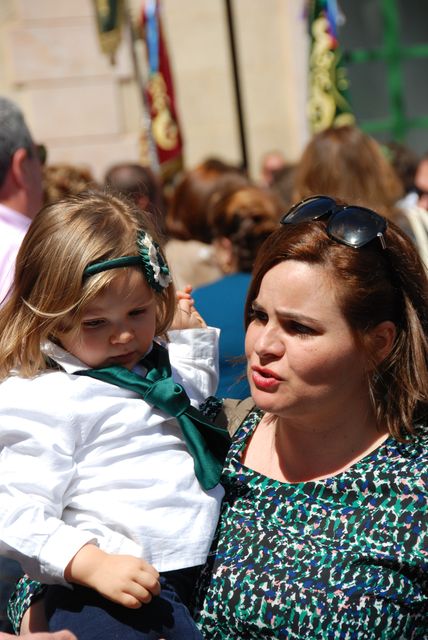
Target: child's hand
(127, 580)
(186, 316)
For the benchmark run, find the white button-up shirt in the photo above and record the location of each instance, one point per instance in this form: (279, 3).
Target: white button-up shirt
(13, 227)
(82, 460)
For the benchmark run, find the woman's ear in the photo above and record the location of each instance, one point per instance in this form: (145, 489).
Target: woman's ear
(381, 339)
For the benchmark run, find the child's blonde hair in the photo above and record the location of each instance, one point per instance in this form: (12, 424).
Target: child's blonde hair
(49, 292)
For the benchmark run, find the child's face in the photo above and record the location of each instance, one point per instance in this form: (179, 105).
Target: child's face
(117, 326)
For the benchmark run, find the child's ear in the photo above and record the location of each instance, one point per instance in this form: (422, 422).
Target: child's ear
(381, 340)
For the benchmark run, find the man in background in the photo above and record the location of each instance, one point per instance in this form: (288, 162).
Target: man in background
(20, 187)
(140, 185)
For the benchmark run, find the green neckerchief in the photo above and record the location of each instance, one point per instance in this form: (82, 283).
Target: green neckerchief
(207, 443)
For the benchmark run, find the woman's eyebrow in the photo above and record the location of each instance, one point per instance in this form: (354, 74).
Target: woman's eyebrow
(300, 317)
(288, 315)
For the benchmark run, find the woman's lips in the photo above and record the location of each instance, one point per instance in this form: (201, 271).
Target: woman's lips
(264, 379)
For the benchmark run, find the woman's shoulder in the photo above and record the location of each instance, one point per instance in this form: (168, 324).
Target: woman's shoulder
(406, 461)
(229, 413)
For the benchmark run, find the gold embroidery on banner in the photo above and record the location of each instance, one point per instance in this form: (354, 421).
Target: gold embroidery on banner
(327, 81)
(165, 130)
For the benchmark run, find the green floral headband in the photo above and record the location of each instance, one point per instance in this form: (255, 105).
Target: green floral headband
(150, 259)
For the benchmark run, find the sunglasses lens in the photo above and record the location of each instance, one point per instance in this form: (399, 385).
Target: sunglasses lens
(309, 209)
(356, 226)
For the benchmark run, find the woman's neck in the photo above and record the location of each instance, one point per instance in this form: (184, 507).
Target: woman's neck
(298, 452)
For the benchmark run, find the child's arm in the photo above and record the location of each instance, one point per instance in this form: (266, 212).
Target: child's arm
(193, 354)
(127, 580)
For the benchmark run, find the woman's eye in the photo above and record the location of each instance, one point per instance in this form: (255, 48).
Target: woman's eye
(301, 329)
(257, 314)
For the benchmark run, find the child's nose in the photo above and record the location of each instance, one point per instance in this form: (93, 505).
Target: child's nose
(122, 335)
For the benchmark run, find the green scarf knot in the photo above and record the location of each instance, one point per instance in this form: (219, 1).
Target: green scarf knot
(207, 443)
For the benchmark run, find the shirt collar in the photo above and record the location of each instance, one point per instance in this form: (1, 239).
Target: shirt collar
(70, 363)
(66, 361)
(14, 218)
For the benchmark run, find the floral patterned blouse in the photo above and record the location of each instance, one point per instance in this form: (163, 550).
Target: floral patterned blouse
(343, 558)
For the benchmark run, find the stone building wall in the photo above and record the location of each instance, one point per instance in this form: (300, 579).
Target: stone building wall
(89, 112)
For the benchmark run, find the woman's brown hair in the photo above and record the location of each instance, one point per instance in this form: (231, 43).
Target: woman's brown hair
(49, 291)
(372, 285)
(343, 162)
(186, 217)
(245, 215)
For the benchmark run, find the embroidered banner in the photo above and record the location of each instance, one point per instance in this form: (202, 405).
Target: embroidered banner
(328, 103)
(160, 93)
(109, 17)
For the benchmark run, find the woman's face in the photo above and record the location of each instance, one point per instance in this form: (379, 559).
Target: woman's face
(303, 360)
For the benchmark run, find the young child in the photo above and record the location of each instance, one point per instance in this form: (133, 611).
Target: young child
(109, 475)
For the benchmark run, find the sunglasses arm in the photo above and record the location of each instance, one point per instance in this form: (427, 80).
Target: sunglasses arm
(382, 239)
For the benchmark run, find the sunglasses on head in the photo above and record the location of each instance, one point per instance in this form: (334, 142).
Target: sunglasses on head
(352, 225)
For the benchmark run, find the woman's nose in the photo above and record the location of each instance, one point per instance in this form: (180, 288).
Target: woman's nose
(269, 343)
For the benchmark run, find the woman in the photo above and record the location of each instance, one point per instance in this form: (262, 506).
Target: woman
(189, 251)
(241, 218)
(323, 530)
(345, 162)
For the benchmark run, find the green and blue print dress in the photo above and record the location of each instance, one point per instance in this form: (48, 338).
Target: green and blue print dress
(341, 558)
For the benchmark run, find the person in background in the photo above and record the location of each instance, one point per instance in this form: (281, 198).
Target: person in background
(323, 531)
(141, 186)
(21, 193)
(421, 182)
(240, 218)
(410, 170)
(20, 200)
(282, 185)
(62, 179)
(271, 163)
(189, 248)
(405, 163)
(343, 162)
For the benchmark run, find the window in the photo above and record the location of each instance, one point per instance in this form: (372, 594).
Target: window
(385, 50)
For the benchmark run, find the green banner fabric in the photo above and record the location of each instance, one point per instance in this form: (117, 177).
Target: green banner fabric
(109, 18)
(328, 103)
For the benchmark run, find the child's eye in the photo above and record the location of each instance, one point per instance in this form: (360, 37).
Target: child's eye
(91, 324)
(136, 312)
